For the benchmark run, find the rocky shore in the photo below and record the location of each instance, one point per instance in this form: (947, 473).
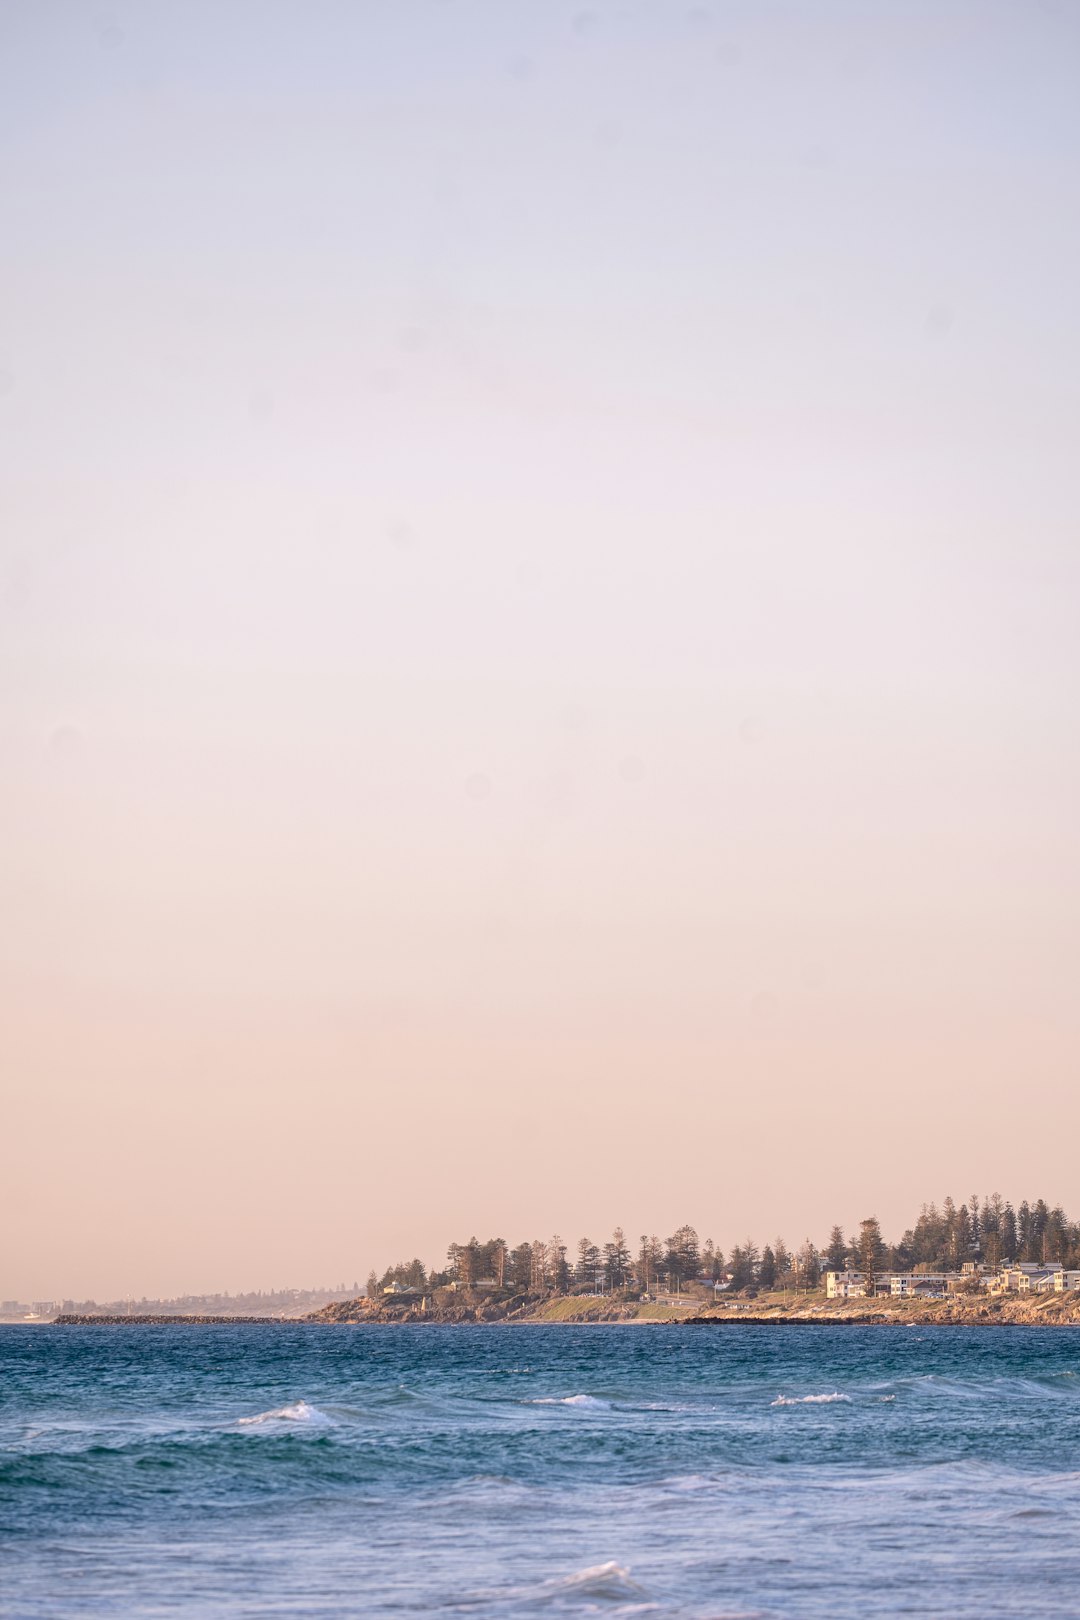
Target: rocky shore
(968, 1311)
(1011, 1310)
(1050, 1310)
(461, 1309)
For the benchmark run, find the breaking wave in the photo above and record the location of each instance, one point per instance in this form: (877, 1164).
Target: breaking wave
(572, 1400)
(299, 1412)
(810, 1400)
(599, 1580)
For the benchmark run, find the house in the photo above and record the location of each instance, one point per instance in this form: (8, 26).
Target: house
(1025, 1277)
(852, 1284)
(1065, 1281)
(922, 1284)
(898, 1284)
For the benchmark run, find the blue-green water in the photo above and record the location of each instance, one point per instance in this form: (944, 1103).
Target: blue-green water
(516, 1470)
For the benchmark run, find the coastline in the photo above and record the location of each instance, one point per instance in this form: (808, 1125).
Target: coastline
(1053, 1310)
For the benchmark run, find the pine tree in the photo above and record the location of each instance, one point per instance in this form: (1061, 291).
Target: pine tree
(836, 1253)
(1023, 1231)
(976, 1222)
(870, 1248)
(558, 1269)
(808, 1271)
(521, 1268)
(581, 1270)
(617, 1258)
(682, 1259)
(538, 1270)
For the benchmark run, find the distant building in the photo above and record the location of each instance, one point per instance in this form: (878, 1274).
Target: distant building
(923, 1285)
(897, 1284)
(1027, 1278)
(852, 1284)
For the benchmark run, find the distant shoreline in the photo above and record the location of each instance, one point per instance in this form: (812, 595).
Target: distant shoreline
(69, 1320)
(757, 1320)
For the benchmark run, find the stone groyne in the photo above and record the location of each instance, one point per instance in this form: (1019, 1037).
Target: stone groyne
(70, 1320)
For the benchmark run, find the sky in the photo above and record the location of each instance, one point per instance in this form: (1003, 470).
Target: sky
(538, 626)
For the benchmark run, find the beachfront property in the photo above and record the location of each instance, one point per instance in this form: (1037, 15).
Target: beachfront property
(852, 1284)
(898, 1284)
(1024, 1277)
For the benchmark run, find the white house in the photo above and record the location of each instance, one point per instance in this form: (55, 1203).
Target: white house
(921, 1285)
(852, 1284)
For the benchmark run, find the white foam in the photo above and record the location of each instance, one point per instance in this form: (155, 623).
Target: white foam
(810, 1400)
(572, 1400)
(299, 1412)
(609, 1580)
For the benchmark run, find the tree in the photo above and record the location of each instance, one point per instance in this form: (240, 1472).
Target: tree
(521, 1268)
(963, 1232)
(951, 1232)
(1023, 1231)
(767, 1269)
(976, 1221)
(742, 1264)
(581, 1270)
(682, 1258)
(538, 1272)
(808, 1271)
(1055, 1239)
(870, 1248)
(1040, 1216)
(558, 1270)
(372, 1289)
(617, 1258)
(649, 1260)
(836, 1253)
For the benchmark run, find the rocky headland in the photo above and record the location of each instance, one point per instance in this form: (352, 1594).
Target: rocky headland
(815, 1311)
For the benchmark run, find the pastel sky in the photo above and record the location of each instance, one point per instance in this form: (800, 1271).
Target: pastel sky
(539, 651)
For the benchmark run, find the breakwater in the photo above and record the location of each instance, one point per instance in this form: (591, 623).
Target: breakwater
(72, 1320)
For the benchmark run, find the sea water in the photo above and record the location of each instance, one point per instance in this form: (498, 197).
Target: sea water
(539, 1471)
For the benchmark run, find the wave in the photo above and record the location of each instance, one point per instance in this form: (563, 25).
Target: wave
(608, 1580)
(593, 1401)
(299, 1412)
(810, 1400)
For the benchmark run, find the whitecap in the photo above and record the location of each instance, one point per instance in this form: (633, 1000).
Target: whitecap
(298, 1412)
(571, 1400)
(810, 1400)
(609, 1581)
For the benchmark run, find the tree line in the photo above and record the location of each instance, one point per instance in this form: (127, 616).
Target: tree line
(990, 1230)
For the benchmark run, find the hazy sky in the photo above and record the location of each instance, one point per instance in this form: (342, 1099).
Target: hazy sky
(539, 650)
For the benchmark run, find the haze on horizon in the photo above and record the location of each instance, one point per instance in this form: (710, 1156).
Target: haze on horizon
(538, 626)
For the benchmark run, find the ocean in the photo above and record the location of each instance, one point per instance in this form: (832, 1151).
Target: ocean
(699, 1472)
